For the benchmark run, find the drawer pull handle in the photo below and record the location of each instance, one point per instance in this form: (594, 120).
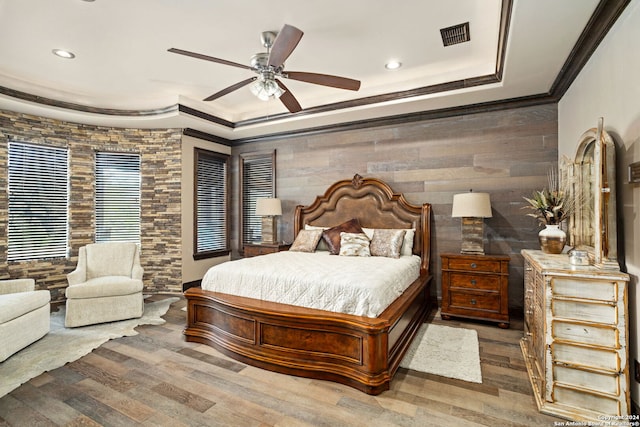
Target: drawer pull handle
(473, 302)
(474, 265)
(474, 282)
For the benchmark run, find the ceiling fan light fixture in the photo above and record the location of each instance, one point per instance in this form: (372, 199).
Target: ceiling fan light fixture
(266, 89)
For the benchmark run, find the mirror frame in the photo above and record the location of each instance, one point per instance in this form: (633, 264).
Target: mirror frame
(592, 177)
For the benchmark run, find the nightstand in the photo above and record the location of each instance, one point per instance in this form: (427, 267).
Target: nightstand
(255, 249)
(476, 287)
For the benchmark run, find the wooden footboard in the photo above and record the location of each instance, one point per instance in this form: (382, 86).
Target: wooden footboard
(357, 351)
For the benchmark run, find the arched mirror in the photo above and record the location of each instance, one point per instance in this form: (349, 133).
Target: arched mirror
(592, 180)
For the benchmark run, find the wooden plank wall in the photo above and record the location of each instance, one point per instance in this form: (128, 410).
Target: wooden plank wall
(506, 153)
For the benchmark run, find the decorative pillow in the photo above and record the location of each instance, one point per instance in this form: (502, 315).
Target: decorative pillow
(354, 244)
(387, 243)
(322, 246)
(306, 241)
(407, 245)
(331, 236)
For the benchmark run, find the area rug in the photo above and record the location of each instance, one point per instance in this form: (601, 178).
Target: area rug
(62, 345)
(445, 351)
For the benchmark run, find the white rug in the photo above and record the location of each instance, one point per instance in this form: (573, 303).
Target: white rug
(62, 345)
(445, 351)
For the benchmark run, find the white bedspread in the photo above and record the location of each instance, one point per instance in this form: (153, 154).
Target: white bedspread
(362, 286)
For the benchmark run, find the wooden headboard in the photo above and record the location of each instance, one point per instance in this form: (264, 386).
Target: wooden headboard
(375, 205)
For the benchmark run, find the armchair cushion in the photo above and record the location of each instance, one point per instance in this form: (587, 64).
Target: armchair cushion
(11, 286)
(110, 259)
(105, 287)
(19, 303)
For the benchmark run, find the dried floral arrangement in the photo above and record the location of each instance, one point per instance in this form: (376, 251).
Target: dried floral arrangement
(553, 204)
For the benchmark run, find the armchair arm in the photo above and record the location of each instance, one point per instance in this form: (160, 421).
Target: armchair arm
(76, 276)
(12, 286)
(137, 272)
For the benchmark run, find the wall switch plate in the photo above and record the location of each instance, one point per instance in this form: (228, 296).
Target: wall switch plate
(636, 370)
(634, 173)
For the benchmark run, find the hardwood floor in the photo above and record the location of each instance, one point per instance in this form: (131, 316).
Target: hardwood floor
(158, 379)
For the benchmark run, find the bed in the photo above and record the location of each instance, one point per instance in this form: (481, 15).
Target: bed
(357, 350)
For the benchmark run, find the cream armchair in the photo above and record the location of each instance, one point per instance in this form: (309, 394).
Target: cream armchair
(24, 315)
(106, 285)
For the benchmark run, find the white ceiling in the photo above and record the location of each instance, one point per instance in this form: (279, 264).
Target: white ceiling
(122, 61)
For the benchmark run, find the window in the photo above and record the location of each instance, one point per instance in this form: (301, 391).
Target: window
(38, 202)
(117, 198)
(257, 176)
(211, 204)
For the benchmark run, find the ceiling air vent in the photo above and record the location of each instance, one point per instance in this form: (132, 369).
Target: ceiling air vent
(456, 34)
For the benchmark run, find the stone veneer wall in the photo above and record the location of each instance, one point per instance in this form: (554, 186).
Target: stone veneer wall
(161, 215)
(505, 153)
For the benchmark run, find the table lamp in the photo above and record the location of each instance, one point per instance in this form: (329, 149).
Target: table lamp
(268, 209)
(472, 208)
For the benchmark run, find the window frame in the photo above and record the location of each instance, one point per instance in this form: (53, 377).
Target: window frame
(225, 160)
(54, 251)
(138, 239)
(248, 157)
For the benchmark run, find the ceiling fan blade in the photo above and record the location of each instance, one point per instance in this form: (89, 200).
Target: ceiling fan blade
(324, 80)
(208, 58)
(286, 40)
(288, 99)
(229, 89)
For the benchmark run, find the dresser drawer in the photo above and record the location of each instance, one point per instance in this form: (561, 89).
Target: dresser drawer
(598, 381)
(596, 404)
(585, 333)
(474, 281)
(599, 290)
(587, 357)
(472, 265)
(588, 311)
(472, 301)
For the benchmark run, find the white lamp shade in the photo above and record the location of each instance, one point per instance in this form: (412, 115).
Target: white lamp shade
(268, 207)
(471, 204)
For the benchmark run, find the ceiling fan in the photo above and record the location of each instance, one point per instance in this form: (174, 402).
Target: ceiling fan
(269, 66)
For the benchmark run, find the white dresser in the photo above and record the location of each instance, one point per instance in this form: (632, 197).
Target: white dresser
(575, 342)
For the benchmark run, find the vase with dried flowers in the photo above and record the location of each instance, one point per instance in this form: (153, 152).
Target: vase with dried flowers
(551, 206)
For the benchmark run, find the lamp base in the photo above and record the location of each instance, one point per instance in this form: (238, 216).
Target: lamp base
(269, 230)
(472, 236)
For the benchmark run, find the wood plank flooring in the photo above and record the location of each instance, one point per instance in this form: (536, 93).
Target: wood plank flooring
(158, 379)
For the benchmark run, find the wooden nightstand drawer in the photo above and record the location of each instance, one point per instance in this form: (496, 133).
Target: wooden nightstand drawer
(484, 301)
(473, 264)
(474, 281)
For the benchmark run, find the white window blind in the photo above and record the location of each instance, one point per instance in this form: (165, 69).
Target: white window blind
(117, 197)
(38, 202)
(211, 204)
(257, 183)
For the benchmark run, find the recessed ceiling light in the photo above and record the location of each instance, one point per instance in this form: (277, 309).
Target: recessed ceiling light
(63, 53)
(393, 65)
